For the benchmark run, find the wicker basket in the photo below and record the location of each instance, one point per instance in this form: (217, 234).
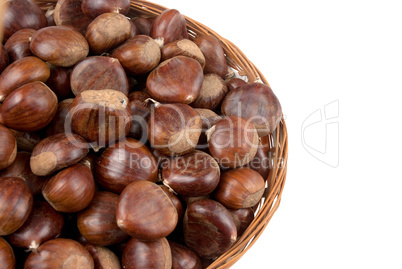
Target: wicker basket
(278, 141)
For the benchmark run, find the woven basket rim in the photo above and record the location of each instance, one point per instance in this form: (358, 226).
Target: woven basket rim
(278, 140)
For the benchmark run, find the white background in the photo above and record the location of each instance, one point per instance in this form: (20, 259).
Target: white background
(315, 53)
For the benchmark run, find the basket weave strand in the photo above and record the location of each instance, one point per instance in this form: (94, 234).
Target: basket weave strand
(278, 140)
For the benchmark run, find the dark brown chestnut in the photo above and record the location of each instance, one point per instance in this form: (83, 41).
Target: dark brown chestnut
(21, 72)
(177, 80)
(174, 129)
(101, 117)
(71, 190)
(8, 148)
(209, 229)
(60, 253)
(7, 257)
(255, 102)
(103, 257)
(170, 25)
(97, 223)
(242, 218)
(4, 59)
(215, 61)
(17, 45)
(59, 82)
(234, 83)
(138, 55)
(212, 92)
(124, 162)
(144, 25)
(99, 73)
(140, 112)
(193, 174)
(69, 13)
(44, 223)
(22, 14)
(184, 47)
(29, 108)
(233, 141)
(147, 254)
(15, 204)
(107, 31)
(59, 45)
(183, 257)
(94, 8)
(57, 152)
(26, 141)
(57, 125)
(240, 188)
(144, 211)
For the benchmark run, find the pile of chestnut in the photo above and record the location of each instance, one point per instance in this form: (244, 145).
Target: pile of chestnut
(124, 141)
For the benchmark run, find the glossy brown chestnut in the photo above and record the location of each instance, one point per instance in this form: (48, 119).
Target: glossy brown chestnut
(184, 47)
(193, 174)
(138, 55)
(174, 129)
(26, 141)
(101, 117)
(212, 92)
(170, 25)
(7, 258)
(17, 45)
(147, 254)
(255, 102)
(29, 108)
(21, 168)
(94, 8)
(183, 257)
(124, 162)
(242, 218)
(140, 112)
(107, 31)
(234, 83)
(70, 190)
(103, 257)
(215, 61)
(15, 204)
(59, 45)
(59, 82)
(44, 223)
(21, 72)
(8, 148)
(144, 25)
(57, 152)
(144, 211)
(97, 223)
(209, 229)
(99, 73)
(69, 13)
(22, 14)
(57, 125)
(233, 141)
(60, 253)
(177, 80)
(176, 202)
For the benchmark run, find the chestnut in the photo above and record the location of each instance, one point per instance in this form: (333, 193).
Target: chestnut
(59, 45)
(184, 47)
(209, 229)
(71, 190)
(15, 204)
(209, 119)
(7, 257)
(107, 31)
(26, 141)
(44, 223)
(240, 188)
(22, 14)
(29, 108)
(97, 223)
(144, 25)
(8, 148)
(60, 253)
(170, 25)
(124, 162)
(69, 13)
(234, 83)
(257, 103)
(21, 72)
(242, 218)
(145, 211)
(101, 117)
(212, 92)
(215, 61)
(177, 80)
(193, 174)
(4, 59)
(147, 254)
(50, 16)
(94, 8)
(59, 82)
(103, 257)
(140, 112)
(17, 45)
(174, 129)
(183, 257)
(134, 29)
(138, 55)
(57, 152)
(57, 125)
(261, 162)
(175, 200)
(99, 73)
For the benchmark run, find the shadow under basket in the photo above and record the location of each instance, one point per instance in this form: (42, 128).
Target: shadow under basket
(278, 140)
